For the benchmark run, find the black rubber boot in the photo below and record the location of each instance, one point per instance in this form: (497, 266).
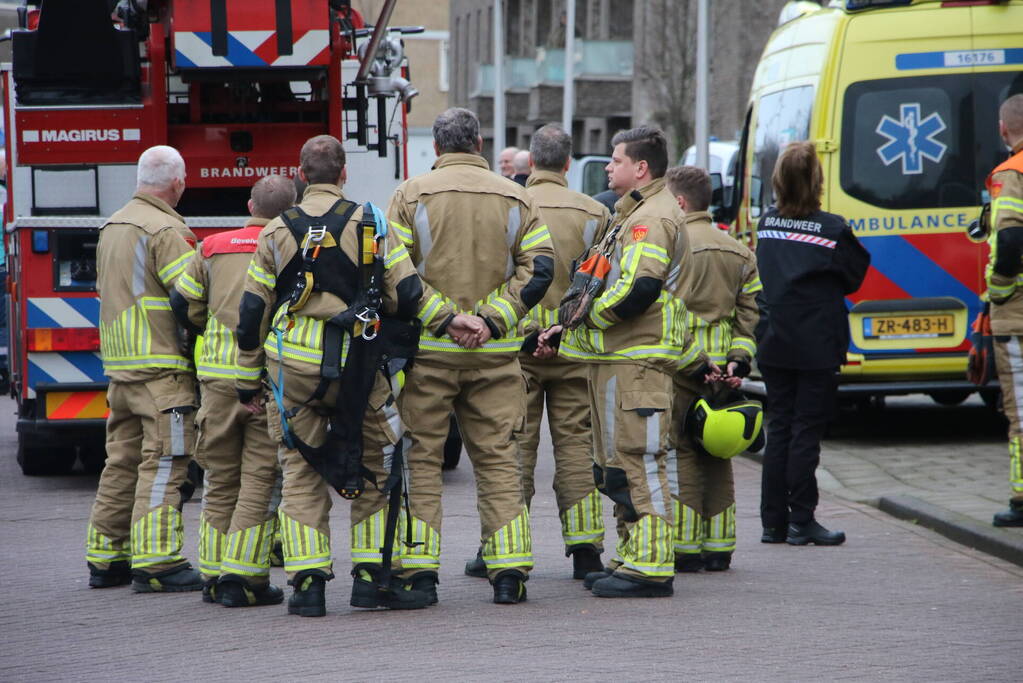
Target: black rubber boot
(813, 532)
(425, 582)
(210, 592)
(309, 598)
(117, 574)
(593, 577)
(688, 563)
(476, 566)
(509, 587)
(234, 591)
(623, 586)
(367, 593)
(1011, 517)
(717, 562)
(178, 580)
(585, 560)
(774, 534)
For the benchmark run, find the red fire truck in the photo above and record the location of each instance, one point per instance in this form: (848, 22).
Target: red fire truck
(236, 85)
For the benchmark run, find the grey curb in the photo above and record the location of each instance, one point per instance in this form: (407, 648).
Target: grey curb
(1001, 543)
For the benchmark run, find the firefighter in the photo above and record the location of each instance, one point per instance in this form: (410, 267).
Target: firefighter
(719, 288)
(478, 239)
(242, 482)
(135, 530)
(574, 220)
(299, 338)
(1005, 186)
(635, 339)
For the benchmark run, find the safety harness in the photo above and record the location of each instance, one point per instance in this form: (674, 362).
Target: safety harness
(361, 339)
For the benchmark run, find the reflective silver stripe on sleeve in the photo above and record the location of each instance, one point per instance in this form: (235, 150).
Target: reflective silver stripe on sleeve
(423, 237)
(514, 221)
(676, 261)
(616, 266)
(653, 446)
(138, 281)
(610, 403)
(159, 490)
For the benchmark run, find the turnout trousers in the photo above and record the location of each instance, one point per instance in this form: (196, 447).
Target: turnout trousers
(150, 435)
(304, 513)
(488, 404)
(1009, 361)
(241, 488)
(564, 387)
(702, 486)
(630, 407)
(800, 404)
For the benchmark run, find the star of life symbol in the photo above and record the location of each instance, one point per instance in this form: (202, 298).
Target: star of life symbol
(911, 139)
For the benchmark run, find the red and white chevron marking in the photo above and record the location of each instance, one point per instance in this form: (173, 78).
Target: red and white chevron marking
(796, 237)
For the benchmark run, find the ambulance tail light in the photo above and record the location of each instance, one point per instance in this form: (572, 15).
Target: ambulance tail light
(63, 339)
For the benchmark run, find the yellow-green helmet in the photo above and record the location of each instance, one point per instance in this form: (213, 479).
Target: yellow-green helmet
(726, 430)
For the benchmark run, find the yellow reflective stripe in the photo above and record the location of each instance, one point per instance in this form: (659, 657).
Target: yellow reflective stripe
(511, 545)
(504, 307)
(304, 546)
(103, 549)
(649, 549)
(719, 531)
(155, 303)
(211, 547)
(657, 253)
(1001, 291)
(503, 345)
(629, 264)
(744, 344)
(171, 271)
(403, 233)
(397, 255)
(583, 522)
(145, 361)
(261, 276)
(157, 537)
(688, 536)
(753, 286)
(253, 374)
(1006, 204)
(535, 238)
(189, 285)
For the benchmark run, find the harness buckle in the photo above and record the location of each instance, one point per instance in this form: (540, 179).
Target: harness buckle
(314, 235)
(370, 320)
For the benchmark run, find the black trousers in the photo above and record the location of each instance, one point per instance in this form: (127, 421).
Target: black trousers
(800, 403)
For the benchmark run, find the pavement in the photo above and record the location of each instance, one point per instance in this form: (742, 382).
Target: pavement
(897, 602)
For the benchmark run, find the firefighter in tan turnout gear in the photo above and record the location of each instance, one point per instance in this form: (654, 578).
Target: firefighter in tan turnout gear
(304, 342)
(1004, 280)
(574, 221)
(135, 530)
(719, 287)
(478, 240)
(635, 339)
(242, 482)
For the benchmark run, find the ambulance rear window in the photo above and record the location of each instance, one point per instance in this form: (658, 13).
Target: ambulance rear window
(923, 142)
(782, 117)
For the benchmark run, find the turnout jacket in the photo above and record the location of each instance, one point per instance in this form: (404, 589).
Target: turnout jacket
(640, 316)
(143, 248)
(719, 288)
(807, 265)
(207, 295)
(574, 221)
(301, 344)
(478, 240)
(1004, 280)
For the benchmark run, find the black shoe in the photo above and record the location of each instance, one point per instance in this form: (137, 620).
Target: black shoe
(118, 574)
(210, 592)
(813, 532)
(621, 586)
(688, 563)
(585, 561)
(717, 562)
(368, 593)
(177, 580)
(476, 566)
(233, 591)
(1011, 517)
(774, 534)
(308, 599)
(593, 577)
(509, 587)
(425, 582)
(277, 555)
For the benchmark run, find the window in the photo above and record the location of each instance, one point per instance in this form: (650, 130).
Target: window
(923, 142)
(442, 66)
(782, 117)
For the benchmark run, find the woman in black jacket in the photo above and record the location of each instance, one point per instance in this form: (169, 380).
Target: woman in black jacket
(809, 262)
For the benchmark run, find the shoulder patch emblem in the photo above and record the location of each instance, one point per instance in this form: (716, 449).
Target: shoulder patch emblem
(996, 189)
(639, 233)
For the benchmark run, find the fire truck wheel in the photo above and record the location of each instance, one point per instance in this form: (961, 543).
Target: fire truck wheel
(37, 462)
(950, 397)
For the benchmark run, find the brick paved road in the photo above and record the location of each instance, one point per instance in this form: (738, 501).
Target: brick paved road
(897, 602)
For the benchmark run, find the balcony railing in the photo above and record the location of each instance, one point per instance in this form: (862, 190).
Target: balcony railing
(594, 59)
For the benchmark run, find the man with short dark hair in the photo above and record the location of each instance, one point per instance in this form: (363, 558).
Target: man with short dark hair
(634, 339)
(242, 482)
(1005, 185)
(478, 239)
(574, 221)
(719, 288)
